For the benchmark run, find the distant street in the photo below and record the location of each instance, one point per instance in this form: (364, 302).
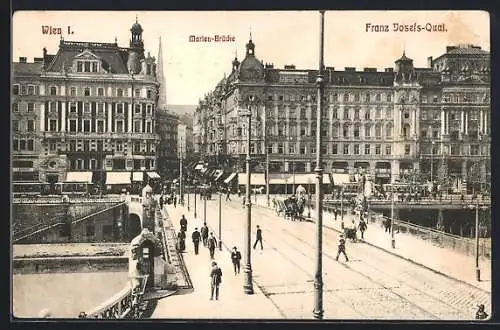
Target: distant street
(372, 285)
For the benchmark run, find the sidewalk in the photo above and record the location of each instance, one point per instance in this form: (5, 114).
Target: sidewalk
(446, 261)
(233, 302)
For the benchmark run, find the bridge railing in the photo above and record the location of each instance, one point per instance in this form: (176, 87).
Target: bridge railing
(444, 240)
(65, 199)
(123, 304)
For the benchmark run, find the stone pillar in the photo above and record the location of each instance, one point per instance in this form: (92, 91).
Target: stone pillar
(395, 171)
(480, 113)
(462, 122)
(110, 118)
(42, 117)
(63, 117)
(443, 122)
(464, 170)
(130, 118)
(308, 167)
(286, 166)
(466, 123)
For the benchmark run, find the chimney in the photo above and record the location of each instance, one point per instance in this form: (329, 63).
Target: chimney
(38, 60)
(450, 48)
(22, 59)
(330, 68)
(429, 62)
(370, 69)
(290, 67)
(350, 69)
(389, 70)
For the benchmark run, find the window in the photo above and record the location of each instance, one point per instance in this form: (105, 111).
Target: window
(119, 108)
(323, 150)
(423, 133)
(119, 126)
(15, 125)
(52, 146)
(72, 107)
(356, 149)
(87, 66)
(435, 99)
(280, 148)
(356, 97)
(388, 113)
(367, 130)
(86, 91)
(137, 92)
(31, 89)
(72, 91)
(100, 126)
(269, 149)
(23, 90)
(346, 114)
(100, 91)
(15, 144)
(119, 92)
(149, 94)
(378, 113)
(100, 109)
(356, 131)
(377, 97)
(302, 113)
(52, 125)
(435, 134)
(79, 66)
(356, 114)
(302, 150)
(30, 145)
(334, 149)
(313, 148)
(407, 115)
(15, 89)
(335, 131)
(137, 147)
(345, 131)
(335, 114)
(15, 107)
(346, 149)
(31, 125)
(137, 108)
(407, 149)
(346, 97)
(72, 125)
(148, 109)
(435, 115)
(94, 66)
(86, 125)
(119, 146)
(388, 132)
(302, 131)
(148, 127)
(367, 149)
(86, 145)
(86, 107)
(389, 98)
(388, 149)
(22, 145)
(367, 114)
(367, 97)
(53, 90)
(137, 126)
(377, 149)
(291, 149)
(474, 150)
(378, 131)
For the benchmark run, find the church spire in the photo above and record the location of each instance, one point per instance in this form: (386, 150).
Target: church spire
(162, 99)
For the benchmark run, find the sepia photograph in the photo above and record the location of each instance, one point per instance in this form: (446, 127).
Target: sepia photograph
(251, 165)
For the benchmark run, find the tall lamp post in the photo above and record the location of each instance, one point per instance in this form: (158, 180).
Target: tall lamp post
(393, 240)
(318, 276)
(267, 157)
(195, 200)
(220, 220)
(180, 176)
(247, 284)
(432, 161)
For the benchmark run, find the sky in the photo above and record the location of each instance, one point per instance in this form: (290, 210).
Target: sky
(281, 37)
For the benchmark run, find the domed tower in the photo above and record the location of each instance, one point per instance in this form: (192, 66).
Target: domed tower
(136, 52)
(405, 72)
(136, 40)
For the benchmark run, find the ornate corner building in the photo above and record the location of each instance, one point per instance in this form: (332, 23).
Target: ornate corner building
(91, 107)
(391, 124)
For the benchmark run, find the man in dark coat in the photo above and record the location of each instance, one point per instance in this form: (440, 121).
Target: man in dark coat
(204, 234)
(183, 223)
(215, 281)
(481, 314)
(235, 258)
(212, 244)
(341, 248)
(181, 236)
(362, 227)
(161, 202)
(258, 238)
(196, 240)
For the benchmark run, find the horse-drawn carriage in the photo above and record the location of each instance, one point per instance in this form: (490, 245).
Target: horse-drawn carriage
(291, 208)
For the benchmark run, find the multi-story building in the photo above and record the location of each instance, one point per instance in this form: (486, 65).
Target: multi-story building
(168, 147)
(95, 110)
(389, 123)
(26, 104)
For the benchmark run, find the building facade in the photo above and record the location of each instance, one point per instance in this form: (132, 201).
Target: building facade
(390, 124)
(95, 106)
(168, 147)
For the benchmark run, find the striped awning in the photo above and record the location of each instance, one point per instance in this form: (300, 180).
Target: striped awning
(79, 177)
(118, 178)
(153, 175)
(218, 174)
(230, 177)
(137, 176)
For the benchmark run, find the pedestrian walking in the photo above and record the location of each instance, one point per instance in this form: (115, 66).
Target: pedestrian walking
(335, 213)
(183, 223)
(387, 224)
(181, 237)
(362, 227)
(258, 238)
(175, 201)
(235, 258)
(212, 244)
(215, 281)
(341, 248)
(243, 201)
(161, 202)
(196, 237)
(228, 195)
(481, 314)
(204, 234)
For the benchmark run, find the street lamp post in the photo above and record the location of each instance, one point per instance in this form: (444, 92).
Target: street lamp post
(318, 276)
(342, 207)
(204, 207)
(188, 200)
(393, 240)
(220, 220)
(478, 271)
(247, 284)
(195, 201)
(432, 161)
(180, 176)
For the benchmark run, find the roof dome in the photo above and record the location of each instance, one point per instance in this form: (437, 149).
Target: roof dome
(136, 27)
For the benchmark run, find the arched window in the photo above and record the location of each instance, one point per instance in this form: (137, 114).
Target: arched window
(346, 97)
(368, 130)
(378, 131)
(335, 130)
(388, 130)
(345, 130)
(356, 130)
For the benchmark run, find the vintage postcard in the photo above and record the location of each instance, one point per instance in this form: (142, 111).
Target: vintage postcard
(251, 165)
